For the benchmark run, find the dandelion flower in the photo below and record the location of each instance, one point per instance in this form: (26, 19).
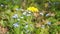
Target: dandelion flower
(32, 9)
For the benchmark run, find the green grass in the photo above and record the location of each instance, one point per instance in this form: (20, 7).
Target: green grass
(18, 23)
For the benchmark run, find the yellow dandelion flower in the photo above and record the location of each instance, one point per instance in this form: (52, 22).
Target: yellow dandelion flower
(32, 9)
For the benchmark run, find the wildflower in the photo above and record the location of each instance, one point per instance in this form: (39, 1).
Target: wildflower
(15, 24)
(18, 19)
(22, 17)
(2, 5)
(27, 11)
(15, 16)
(47, 14)
(49, 23)
(41, 13)
(28, 14)
(32, 9)
(21, 9)
(24, 13)
(26, 26)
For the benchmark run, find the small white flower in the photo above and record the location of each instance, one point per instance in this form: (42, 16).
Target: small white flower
(2, 5)
(49, 23)
(15, 16)
(41, 14)
(22, 17)
(21, 9)
(28, 11)
(24, 13)
(28, 14)
(18, 19)
(47, 14)
(15, 24)
(26, 26)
